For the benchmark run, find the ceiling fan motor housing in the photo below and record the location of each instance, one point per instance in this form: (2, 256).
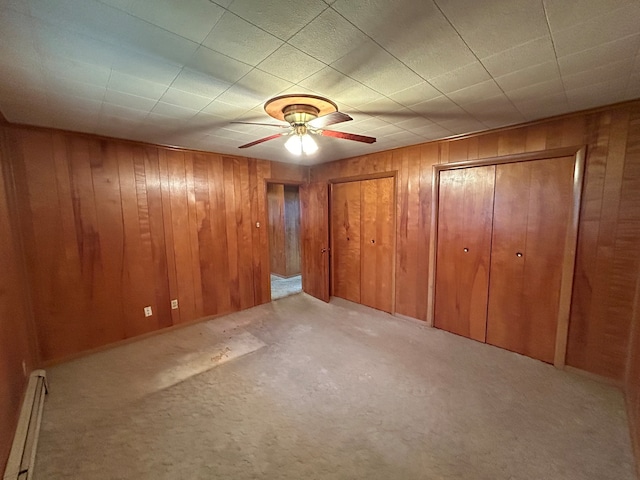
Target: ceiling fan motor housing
(298, 115)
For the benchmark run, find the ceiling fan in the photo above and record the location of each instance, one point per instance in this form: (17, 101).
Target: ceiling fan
(306, 115)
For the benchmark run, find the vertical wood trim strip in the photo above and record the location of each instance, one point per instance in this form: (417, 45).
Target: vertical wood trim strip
(433, 240)
(569, 263)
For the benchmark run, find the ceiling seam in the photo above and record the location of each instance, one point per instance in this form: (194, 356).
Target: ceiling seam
(555, 52)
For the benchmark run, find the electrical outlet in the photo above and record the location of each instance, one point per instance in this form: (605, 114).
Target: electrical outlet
(174, 304)
(147, 311)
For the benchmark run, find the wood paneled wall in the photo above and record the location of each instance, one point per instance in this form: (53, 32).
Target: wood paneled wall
(112, 226)
(632, 380)
(608, 257)
(16, 330)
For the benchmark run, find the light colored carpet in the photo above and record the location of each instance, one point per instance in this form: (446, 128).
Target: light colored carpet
(299, 389)
(283, 287)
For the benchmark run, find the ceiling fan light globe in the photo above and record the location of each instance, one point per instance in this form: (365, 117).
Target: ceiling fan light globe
(294, 145)
(309, 146)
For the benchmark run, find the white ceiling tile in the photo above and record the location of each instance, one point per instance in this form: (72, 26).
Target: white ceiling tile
(71, 87)
(623, 48)
(68, 68)
(150, 68)
(130, 101)
(54, 42)
(535, 52)
(199, 83)
(283, 18)
(219, 66)
(355, 96)
(609, 72)
(133, 85)
(241, 40)
(261, 85)
(563, 14)
(134, 115)
(460, 78)
(61, 102)
(152, 40)
(377, 69)
(328, 81)
(486, 89)
(19, 6)
(543, 89)
(543, 106)
(224, 110)
(175, 111)
(492, 27)
(462, 125)
(192, 19)
(290, 64)
(416, 94)
(121, 4)
(433, 132)
(494, 110)
(633, 88)
(596, 94)
(328, 37)
(380, 106)
(185, 99)
(528, 76)
(439, 109)
(616, 24)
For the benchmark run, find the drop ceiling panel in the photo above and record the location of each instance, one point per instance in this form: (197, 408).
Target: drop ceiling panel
(283, 18)
(241, 40)
(492, 27)
(328, 37)
(179, 72)
(291, 64)
(192, 19)
(613, 25)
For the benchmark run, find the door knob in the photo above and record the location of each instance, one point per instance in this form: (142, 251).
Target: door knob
(373, 241)
(518, 254)
(465, 250)
(324, 250)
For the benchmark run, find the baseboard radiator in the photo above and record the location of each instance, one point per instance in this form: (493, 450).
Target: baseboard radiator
(23, 451)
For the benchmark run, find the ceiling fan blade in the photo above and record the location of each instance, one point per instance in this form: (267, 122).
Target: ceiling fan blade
(263, 124)
(329, 119)
(265, 139)
(348, 136)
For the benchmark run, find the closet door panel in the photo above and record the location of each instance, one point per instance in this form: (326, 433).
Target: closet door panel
(378, 214)
(464, 250)
(346, 238)
(533, 202)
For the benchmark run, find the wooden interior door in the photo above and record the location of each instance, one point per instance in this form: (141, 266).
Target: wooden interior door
(378, 233)
(465, 210)
(532, 211)
(345, 239)
(314, 223)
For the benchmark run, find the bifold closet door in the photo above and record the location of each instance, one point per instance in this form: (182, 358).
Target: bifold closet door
(378, 223)
(532, 210)
(465, 209)
(346, 244)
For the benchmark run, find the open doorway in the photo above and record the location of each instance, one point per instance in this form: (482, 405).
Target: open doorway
(283, 203)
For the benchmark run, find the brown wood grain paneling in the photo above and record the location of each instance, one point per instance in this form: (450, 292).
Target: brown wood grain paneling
(277, 246)
(532, 213)
(314, 226)
(17, 343)
(465, 215)
(377, 251)
(110, 227)
(600, 307)
(346, 240)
